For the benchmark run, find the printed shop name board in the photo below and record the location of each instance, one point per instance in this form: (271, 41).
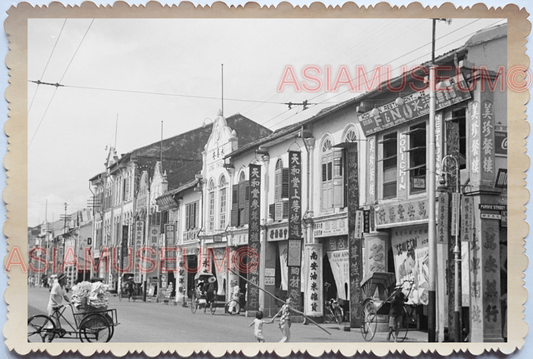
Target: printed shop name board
(332, 227)
(415, 105)
(401, 212)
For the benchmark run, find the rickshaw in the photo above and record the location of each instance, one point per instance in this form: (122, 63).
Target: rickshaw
(379, 289)
(198, 296)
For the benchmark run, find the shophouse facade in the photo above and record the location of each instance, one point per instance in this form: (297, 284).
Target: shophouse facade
(365, 199)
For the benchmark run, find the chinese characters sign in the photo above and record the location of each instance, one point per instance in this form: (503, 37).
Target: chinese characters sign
(138, 242)
(313, 302)
(442, 220)
(354, 242)
(254, 231)
(295, 191)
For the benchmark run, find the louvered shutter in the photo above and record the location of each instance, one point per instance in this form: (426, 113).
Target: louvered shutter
(286, 209)
(285, 183)
(272, 210)
(235, 206)
(246, 208)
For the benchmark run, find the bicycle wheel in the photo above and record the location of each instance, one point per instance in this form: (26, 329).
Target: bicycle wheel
(236, 307)
(95, 328)
(338, 315)
(194, 304)
(213, 308)
(40, 327)
(403, 327)
(370, 320)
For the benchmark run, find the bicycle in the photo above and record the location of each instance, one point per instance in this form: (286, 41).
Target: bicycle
(334, 312)
(93, 326)
(371, 308)
(236, 308)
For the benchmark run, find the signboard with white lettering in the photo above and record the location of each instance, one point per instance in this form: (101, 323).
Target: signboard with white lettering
(415, 105)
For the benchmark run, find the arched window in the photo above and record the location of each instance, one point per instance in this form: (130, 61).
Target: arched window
(223, 195)
(240, 201)
(332, 176)
(211, 203)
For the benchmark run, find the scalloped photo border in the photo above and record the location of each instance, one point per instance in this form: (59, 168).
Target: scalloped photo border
(15, 162)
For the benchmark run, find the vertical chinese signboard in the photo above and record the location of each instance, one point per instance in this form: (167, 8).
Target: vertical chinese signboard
(295, 227)
(442, 220)
(354, 239)
(254, 231)
(313, 302)
(170, 250)
(138, 242)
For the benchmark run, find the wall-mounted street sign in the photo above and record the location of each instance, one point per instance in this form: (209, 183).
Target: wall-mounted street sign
(492, 207)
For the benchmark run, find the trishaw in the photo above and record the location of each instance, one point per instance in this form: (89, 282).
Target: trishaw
(90, 325)
(379, 289)
(198, 295)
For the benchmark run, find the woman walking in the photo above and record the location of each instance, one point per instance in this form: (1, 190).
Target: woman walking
(284, 321)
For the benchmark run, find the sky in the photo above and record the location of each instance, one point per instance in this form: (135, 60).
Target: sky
(126, 81)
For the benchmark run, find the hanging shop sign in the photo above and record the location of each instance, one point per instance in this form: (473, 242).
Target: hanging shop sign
(295, 191)
(387, 214)
(337, 244)
(170, 234)
(254, 233)
(354, 242)
(415, 105)
(278, 234)
(294, 258)
(333, 227)
(313, 290)
(500, 143)
(138, 242)
(411, 260)
(359, 220)
(467, 218)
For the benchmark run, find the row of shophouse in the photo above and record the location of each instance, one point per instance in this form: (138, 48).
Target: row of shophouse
(335, 206)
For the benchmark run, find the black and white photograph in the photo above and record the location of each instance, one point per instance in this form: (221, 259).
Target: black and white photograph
(270, 180)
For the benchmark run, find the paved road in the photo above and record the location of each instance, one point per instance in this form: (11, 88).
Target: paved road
(156, 322)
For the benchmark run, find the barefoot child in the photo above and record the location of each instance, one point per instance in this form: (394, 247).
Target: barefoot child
(258, 329)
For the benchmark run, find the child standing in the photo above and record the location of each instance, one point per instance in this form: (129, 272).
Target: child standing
(258, 327)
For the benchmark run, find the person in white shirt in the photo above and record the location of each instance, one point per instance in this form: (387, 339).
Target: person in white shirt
(57, 294)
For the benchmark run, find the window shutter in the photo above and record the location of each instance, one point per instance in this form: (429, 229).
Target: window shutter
(285, 183)
(286, 209)
(242, 194)
(278, 215)
(235, 206)
(235, 217)
(277, 187)
(246, 208)
(272, 210)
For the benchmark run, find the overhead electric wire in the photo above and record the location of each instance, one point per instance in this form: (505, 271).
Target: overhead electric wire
(73, 56)
(414, 50)
(47, 63)
(51, 98)
(323, 59)
(408, 53)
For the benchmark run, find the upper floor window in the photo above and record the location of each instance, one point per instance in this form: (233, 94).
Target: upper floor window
(211, 204)
(280, 208)
(390, 164)
(240, 201)
(191, 216)
(417, 157)
(332, 176)
(223, 196)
